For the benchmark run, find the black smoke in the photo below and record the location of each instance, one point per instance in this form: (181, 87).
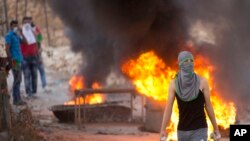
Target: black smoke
(108, 32)
(230, 54)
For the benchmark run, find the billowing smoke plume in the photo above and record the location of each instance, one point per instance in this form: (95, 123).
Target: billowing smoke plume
(230, 23)
(108, 32)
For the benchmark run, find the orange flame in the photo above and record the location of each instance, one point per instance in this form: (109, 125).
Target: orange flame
(95, 98)
(76, 83)
(151, 77)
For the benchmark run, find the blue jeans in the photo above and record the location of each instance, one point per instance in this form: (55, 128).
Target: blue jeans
(29, 66)
(17, 74)
(40, 67)
(193, 135)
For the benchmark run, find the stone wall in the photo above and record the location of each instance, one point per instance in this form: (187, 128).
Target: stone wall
(17, 9)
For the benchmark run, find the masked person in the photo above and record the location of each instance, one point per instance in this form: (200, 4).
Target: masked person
(192, 94)
(30, 58)
(13, 40)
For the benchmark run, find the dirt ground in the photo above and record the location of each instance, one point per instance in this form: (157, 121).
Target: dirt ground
(98, 132)
(93, 133)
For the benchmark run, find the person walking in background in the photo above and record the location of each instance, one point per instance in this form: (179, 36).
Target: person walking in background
(12, 40)
(40, 64)
(30, 58)
(193, 95)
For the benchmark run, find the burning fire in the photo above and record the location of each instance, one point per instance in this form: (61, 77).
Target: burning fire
(76, 83)
(151, 76)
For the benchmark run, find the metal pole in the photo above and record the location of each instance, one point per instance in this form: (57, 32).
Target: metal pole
(6, 15)
(25, 8)
(2, 20)
(17, 9)
(84, 109)
(131, 106)
(104, 90)
(75, 107)
(47, 22)
(79, 115)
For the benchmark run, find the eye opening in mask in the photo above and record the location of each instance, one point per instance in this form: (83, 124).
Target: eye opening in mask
(188, 60)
